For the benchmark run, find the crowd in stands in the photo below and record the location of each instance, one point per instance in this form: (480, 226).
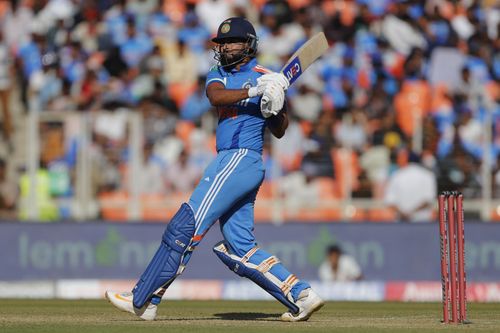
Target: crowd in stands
(401, 78)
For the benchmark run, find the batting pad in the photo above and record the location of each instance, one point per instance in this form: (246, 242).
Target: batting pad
(260, 274)
(167, 263)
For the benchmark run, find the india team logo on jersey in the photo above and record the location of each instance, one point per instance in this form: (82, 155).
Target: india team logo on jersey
(247, 85)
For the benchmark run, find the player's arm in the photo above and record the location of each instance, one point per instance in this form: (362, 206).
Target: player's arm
(218, 95)
(278, 124)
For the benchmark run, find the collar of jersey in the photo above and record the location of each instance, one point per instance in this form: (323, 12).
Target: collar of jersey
(245, 68)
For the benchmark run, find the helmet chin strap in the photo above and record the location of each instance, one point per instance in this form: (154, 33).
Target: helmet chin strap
(230, 62)
(224, 61)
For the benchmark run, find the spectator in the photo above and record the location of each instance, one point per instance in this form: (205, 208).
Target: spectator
(150, 177)
(105, 56)
(196, 104)
(46, 208)
(399, 30)
(339, 266)
(46, 84)
(193, 33)
(17, 23)
(136, 46)
(6, 72)
(375, 161)
(181, 63)
(471, 93)
(352, 130)
(8, 194)
(459, 171)
(317, 145)
(182, 176)
(411, 190)
(212, 12)
(307, 103)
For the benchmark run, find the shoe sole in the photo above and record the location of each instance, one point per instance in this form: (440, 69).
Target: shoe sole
(315, 308)
(110, 301)
(123, 310)
(116, 306)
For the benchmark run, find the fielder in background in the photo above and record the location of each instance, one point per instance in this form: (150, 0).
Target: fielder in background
(228, 188)
(339, 266)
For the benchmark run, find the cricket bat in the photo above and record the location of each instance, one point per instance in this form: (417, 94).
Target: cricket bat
(308, 53)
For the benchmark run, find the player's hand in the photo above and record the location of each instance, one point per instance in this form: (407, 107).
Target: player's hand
(272, 100)
(258, 90)
(275, 78)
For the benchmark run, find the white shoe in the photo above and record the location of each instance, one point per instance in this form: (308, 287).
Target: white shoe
(123, 301)
(308, 303)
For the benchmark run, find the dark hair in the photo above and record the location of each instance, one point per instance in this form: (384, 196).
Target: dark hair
(334, 249)
(413, 157)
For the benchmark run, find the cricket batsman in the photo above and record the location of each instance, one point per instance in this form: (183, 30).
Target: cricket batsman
(228, 188)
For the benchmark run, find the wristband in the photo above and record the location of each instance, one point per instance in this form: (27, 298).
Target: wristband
(252, 92)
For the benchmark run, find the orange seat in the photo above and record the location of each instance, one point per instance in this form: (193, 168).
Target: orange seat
(440, 100)
(346, 9)
(183, 130)
(383, 214)
(114, 205)
(495, 214)
(326, 187)
(160, 207)
(493, 90)
(319, 214)
(265, 190)
(154, 207)
(180, 92)
(175, 9)
(263, 211)
(345, 162)
(413, 99)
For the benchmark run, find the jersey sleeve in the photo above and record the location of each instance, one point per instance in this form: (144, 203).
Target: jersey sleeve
(214, 75)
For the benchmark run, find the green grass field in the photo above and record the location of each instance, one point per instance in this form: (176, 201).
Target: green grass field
(236, 317)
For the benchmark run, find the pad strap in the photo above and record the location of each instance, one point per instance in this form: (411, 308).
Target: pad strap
(260, 274)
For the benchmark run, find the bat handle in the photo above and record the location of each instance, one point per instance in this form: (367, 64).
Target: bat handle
(265, 100)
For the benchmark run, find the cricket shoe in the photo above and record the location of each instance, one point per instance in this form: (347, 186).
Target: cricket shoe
(308, 303)
(123, 301)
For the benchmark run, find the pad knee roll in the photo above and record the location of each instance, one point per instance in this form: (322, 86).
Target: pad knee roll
(166, 263)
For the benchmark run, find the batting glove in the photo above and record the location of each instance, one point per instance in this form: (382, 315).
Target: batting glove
(257, 90)
(272, 100)
(275, 78)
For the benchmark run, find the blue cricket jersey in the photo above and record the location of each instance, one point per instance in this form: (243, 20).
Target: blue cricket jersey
(241, 125)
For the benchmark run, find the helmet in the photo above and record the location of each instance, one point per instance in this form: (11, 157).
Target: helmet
(235, 29)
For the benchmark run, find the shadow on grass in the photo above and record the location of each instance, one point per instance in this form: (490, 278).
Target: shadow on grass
(247, 316)
(217, 316)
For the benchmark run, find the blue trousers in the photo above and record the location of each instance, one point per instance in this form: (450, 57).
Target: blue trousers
(227, 192)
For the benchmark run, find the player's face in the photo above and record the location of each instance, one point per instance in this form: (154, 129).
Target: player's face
(233, 47)
(232, 52)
